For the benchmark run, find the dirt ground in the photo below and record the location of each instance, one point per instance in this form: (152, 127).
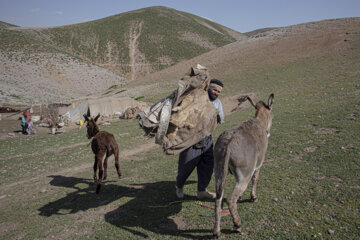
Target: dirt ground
(10, 122)
(10, 126)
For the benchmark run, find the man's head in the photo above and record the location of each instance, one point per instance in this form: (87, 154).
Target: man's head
(215, 88)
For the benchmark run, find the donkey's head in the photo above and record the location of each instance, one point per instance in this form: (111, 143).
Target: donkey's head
(263, 111)
(92, 127)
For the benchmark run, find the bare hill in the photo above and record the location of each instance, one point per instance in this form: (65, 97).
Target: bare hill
(268, 48)
(51, 78)
(44, 73)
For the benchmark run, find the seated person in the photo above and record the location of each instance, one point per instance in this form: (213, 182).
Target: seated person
(29, 129)
(60, 122)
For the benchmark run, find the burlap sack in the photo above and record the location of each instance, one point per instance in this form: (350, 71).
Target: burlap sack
(191, 117)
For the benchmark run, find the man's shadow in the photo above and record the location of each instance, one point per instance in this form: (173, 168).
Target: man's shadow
(155, 209)
(83, 198)
(153, 206)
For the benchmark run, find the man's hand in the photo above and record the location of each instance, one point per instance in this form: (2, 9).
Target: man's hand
(218, 118)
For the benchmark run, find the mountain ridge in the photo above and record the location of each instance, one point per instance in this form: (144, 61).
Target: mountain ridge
(127, 46)
(51, 73)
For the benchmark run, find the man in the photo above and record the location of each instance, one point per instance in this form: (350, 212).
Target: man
(201, 154)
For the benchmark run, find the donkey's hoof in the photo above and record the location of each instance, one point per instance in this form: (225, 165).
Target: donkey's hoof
(253, 199)
(104, 178)
(237, 229)
(216, 235)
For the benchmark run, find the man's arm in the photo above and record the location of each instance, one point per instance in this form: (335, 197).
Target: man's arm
(219, 108)
(221, 113)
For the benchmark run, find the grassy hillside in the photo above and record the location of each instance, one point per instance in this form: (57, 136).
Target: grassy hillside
(61, 62)
(235, 62)
(6, 25)
(160, 36)
(17, 41)
(308, 187)
(49, 72)
(34, 71)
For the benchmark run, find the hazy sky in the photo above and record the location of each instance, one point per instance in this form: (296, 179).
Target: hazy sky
(240, 15)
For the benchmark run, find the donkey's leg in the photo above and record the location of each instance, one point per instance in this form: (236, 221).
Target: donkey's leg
(220, 172)
(218, 208)
(255, 179)
(240, 187)
(95, 168)
(105, 166)
(117, 166)
(100, 157)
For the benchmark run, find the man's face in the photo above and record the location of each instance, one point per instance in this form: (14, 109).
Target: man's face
(214, 93)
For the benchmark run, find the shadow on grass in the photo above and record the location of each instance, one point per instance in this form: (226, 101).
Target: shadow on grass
(83, 198)
(155, 209)
(152, 207)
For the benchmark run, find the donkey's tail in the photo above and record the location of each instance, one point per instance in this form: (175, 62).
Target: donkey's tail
(221, 169)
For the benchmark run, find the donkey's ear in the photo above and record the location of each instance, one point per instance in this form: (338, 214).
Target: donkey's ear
(270, 100)
(190, 72)
(251, 101)
(86, 117)
(97, 117)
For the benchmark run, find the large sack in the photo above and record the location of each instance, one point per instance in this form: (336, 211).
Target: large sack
(131, 112)
(184, 117)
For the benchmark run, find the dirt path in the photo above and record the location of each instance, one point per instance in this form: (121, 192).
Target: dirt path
(230, 105)
(56, 150)
(73, 170)
(135, 32)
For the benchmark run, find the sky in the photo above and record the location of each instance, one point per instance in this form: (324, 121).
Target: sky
(240, 15)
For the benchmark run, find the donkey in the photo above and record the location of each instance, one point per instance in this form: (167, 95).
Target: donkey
(241, 150)
(103, 146)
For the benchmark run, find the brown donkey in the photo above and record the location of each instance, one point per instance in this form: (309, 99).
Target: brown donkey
(241, 150)
(103, 146)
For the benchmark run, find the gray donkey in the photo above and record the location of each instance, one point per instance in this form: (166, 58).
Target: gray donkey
(241, 150)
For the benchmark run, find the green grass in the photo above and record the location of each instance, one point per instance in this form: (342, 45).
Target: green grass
(113, 87)
(138, 98)
(107, 92)
(14, 96)
(122, 90)
(308, 187)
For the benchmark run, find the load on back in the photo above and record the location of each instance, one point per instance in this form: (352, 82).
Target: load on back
(185, 116)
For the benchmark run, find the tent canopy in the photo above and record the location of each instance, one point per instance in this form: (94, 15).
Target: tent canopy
(107, 106)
